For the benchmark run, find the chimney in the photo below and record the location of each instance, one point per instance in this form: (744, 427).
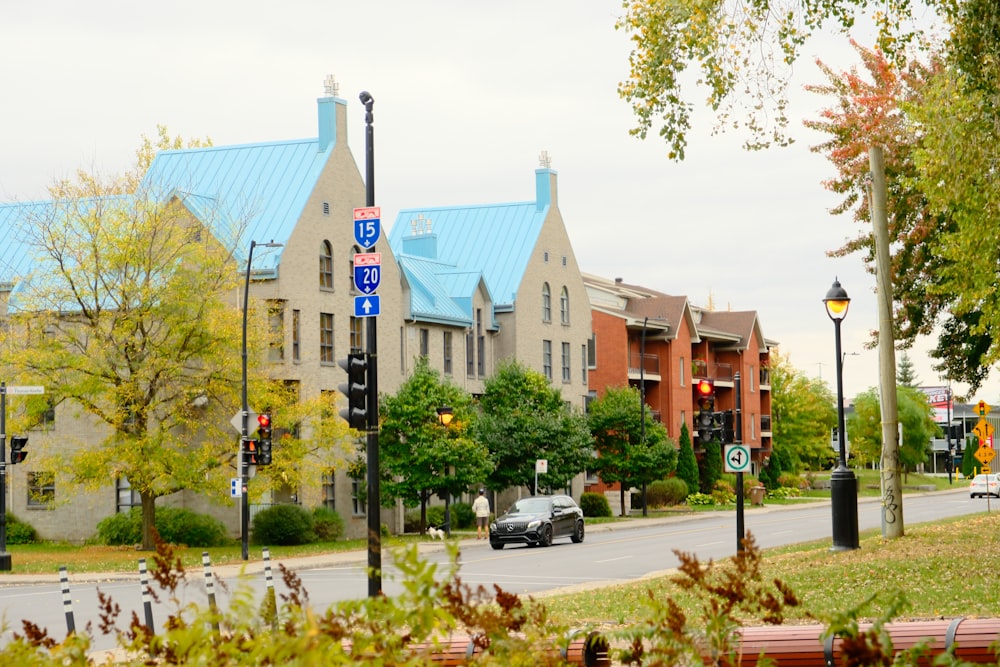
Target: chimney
(422, 241)
(545, 183)
(332, 115)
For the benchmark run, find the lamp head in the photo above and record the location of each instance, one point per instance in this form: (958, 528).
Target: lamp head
(445, 415)
(366, 98)
(836, 301)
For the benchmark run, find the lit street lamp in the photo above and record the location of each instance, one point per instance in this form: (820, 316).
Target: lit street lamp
(445, 415)
(843, 483)
(244, 428)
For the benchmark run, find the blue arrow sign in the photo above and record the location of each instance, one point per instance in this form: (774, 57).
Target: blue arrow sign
(367, 225)
(368, 272)
(366, 306)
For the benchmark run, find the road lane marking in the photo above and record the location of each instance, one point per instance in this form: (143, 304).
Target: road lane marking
(610, 560)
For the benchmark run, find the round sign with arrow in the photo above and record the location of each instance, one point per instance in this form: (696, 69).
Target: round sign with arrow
(737, 458)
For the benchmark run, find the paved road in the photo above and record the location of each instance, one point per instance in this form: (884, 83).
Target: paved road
(611, 553)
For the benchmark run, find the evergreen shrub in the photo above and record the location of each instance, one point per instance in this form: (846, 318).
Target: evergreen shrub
(282, 525)
(327, 524)
(594, 504)
(19, 532)
(666, 492)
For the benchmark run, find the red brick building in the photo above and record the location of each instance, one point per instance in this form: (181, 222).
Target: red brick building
(662, 345)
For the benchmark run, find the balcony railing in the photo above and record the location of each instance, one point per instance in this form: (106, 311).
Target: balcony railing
(650, 364)
(765, 377)
(765, 423)
(701, 369)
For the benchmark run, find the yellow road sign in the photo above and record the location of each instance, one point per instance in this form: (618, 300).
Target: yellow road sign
(982, 408)
(983, 429)
(985, 470)
(985, 455)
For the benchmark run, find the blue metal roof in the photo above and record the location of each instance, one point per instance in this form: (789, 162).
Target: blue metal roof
(495, 240)
(432, 293)
(264, 186)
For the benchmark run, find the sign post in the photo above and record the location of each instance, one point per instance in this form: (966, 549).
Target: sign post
(541, 466)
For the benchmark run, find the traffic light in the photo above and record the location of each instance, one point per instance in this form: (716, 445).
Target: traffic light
(719, 427)
(17, 443)
(356, 390)
(264, 439)
(704, 408)
(251, 454)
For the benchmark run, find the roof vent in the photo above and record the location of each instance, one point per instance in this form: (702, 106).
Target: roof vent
(330, 86)
(544, 161)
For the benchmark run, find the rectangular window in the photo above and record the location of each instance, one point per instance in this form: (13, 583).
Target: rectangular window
(357, 497)
(592, 352)
(583, 363)
(682, 372)
(565, 363)
(330, 489)
(357, 335)
(41, 490)
(547, 359)
(750, 380)
(326, 338)
(425, 342)
(447, 352)
(296, 335)
(470, 355)
(127, 496)
(480, 344)
(276, 330)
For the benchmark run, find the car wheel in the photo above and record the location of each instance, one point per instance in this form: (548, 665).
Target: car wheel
(546, 539)
(972, 495)
(497, 545)
(578, 533)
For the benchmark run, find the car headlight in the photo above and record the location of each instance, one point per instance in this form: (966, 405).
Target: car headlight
(493, 527)
(534, 524)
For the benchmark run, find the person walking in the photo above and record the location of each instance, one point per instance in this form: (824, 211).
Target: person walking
(481, 506)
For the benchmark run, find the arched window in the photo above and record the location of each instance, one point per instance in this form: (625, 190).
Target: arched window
(326, 266)
(564, 306)
(546, 303)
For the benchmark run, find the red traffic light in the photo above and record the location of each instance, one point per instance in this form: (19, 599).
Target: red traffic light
(264, 421)
(705, 387)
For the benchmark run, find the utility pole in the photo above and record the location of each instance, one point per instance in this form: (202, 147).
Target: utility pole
(892, 483)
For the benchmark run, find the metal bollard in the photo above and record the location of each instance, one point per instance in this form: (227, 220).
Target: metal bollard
(147, 602)
(210, 589)
(67, 601)
(270, 601)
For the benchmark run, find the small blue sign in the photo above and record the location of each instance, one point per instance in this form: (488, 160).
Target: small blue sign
(367, 276)
(367, 227)
(366, 306)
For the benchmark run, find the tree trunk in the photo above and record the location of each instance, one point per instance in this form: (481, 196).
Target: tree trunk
(148, 521)
(621, 499)
(423, 512)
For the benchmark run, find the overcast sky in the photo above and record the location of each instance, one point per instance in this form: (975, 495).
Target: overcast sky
(467, 94)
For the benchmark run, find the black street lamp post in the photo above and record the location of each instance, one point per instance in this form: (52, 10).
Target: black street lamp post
(444, 415)
(245, 407)
(642, 401)
(843, 483)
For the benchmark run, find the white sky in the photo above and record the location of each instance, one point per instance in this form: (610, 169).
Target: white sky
(467, 94)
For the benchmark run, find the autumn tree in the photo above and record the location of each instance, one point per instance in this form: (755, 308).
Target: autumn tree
(420, 454)
(742, 54)
(915, 416)
(804, 413)
(629, 452)
(522, 419)
(127, 313)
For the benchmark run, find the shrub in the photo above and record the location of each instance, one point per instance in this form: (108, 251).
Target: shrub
(462, 516)
(594, 504)
(435, 515)
(699, 499)
(19, 532)
(784, 492)
(175, 525)
(327, 524)
(283, 525)
(120, 529)
(666, 492)
(793, 481)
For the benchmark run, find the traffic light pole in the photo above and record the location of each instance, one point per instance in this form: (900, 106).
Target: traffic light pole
(5, 561)
(371, 346)
(245, 424)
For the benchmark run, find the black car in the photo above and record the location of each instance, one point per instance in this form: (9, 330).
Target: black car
(538, 520)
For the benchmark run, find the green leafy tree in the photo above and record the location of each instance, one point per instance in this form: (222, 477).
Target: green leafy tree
(915, 415)
(628, 452)
(687, 462)
(128, 315)
(420, 454)
(523, 418)
(804, 414)
(710, 466)
(970, 464)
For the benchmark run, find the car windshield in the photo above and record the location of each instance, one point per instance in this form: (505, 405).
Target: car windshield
(530, 506)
